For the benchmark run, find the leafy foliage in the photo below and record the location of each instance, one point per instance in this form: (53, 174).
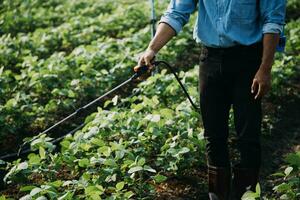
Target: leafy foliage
(293, 7)
(51, 70)
(121, 152)
(56, 55)
(289, 186)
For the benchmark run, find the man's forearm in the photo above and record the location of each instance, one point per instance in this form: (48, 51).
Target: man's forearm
(262, 80)
(164, 34)
(270, 41)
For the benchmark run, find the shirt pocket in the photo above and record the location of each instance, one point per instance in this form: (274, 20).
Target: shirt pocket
(244, 11)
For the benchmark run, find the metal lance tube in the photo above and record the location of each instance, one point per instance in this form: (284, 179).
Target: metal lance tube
(153, 27)
(153, 19)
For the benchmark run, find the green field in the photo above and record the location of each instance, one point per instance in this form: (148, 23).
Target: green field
(57, 55)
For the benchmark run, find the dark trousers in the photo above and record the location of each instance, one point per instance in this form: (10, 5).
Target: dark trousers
(226, 76)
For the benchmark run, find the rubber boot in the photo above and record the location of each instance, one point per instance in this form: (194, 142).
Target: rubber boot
(243, 179)
(219, 183)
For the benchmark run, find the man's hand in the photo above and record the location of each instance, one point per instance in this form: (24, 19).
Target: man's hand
(261, 83)
(163, 34)
(146, 59)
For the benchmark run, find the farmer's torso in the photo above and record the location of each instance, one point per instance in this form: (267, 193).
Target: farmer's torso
(225, 23)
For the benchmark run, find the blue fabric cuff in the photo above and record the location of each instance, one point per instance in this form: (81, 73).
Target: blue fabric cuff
(172, 22)
(272, 28)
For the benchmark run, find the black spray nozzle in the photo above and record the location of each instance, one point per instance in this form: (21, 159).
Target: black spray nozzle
(143, 69)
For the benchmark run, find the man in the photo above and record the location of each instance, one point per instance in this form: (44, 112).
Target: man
(239, 39)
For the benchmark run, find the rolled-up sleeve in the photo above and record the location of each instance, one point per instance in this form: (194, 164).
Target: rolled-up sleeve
(178, 13)
(273, 15)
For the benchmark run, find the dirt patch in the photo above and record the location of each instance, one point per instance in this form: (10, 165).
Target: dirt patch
(191, 185)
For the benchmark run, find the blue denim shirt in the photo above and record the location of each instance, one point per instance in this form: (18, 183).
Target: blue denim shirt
(225, 23)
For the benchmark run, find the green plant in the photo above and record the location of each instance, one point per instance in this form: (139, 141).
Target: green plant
(289, 186)
(122, 152)
(250, 195)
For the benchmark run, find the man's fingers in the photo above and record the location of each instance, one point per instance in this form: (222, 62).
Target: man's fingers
(261, 91)
(254, 86)
(141, 61)
(257, 89)
(261, 84)
(136, 68)
(258, 92)
(148, 63)
(146, 59)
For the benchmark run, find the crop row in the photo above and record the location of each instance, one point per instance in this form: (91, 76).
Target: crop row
(78, 30)
(121, 152)
(27, 16)
(124, 152)
(45, 89)
(57, 83)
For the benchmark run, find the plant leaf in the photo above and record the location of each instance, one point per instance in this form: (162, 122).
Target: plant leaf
(287, 171)
(149, 169)
(135, 169)
(160, 178)
(120, 186)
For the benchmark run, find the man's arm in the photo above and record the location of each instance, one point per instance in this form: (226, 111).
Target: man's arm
(273, 17)
(163, 35)
(270, 41)
(171, 23)
(262, 80)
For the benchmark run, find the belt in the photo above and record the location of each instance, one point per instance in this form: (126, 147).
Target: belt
(255, 46)
(243, 50)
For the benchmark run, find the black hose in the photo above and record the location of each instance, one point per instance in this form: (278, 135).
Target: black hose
(180, 83)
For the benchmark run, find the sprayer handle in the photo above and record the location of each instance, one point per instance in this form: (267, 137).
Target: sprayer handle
(142, 70)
